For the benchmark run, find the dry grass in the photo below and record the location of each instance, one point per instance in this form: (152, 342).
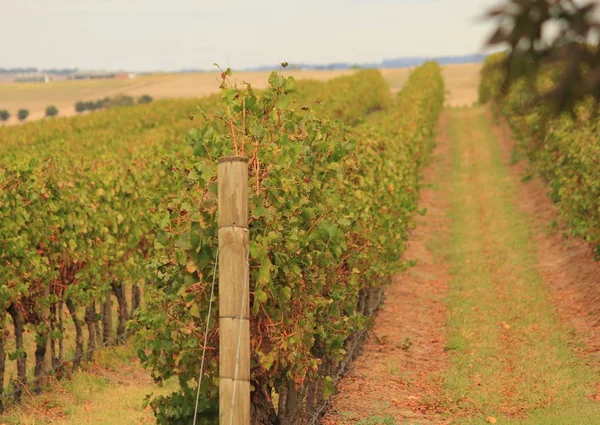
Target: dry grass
(110, 391)
(396, 77)
(461, 83)
(461, 80)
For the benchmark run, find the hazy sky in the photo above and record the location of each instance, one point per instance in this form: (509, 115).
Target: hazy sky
(174, 34)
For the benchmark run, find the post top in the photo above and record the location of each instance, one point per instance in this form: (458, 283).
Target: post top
(232, 159)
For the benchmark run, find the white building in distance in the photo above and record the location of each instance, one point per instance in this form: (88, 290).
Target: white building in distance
(32, 77)
(96, 75)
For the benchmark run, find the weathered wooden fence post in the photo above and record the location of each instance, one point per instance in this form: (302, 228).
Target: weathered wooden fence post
(234, 305)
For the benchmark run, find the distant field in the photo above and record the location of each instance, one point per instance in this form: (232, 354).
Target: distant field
(64, 94)
(461, 82)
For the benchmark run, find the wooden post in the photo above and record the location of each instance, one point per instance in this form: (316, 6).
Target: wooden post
(234, 305)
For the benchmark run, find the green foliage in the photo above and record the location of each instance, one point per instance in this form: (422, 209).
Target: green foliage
(522, 27)
(336, 99)
(22, 114)
(330, 211)
(109, 102)
(120, 100)
(92, 199)
(98, 104)
(77, 198)
(51, 111)
(4, 115)
(564, 150)
(145, 99)
(81, 107)
(492, 78)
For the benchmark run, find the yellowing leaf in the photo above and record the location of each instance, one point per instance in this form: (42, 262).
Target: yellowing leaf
(264, 272)
(260, 296)
(191, 266)
(194, 310)
(491, 420)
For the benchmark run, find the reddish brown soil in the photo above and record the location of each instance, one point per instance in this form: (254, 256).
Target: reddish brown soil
(567, 264)
(399, 373)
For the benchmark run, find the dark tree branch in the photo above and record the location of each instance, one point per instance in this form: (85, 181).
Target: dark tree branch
(521, 27)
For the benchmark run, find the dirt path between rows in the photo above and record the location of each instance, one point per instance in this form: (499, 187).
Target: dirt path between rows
(566, 263)
(398, 374)
(481, 330)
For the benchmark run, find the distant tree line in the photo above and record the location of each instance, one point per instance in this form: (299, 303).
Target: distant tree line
(111, 102)
(23, 114)
(60, 71)
(105, 103)
(17, 70)
(26, 70)
(51, 111)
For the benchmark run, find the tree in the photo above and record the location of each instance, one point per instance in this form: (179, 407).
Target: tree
(81, 107)
(51, 111)
(103, 103)
(121, 100)
(145, 99)
(522, 25)
(4, 115)
(22, 114)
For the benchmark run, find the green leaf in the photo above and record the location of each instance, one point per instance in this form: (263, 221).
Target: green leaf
(228, 94)
(328, 387)
(162, 238)
(276, 80)
(283, 102)
(290, 84)
(285, 293)
(260, 296)
(264, 272)
(195, 311)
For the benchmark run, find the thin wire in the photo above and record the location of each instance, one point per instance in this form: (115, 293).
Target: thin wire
(239, 340)
(210, 302)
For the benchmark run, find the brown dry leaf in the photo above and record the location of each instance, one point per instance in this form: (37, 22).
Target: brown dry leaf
(491, 420)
